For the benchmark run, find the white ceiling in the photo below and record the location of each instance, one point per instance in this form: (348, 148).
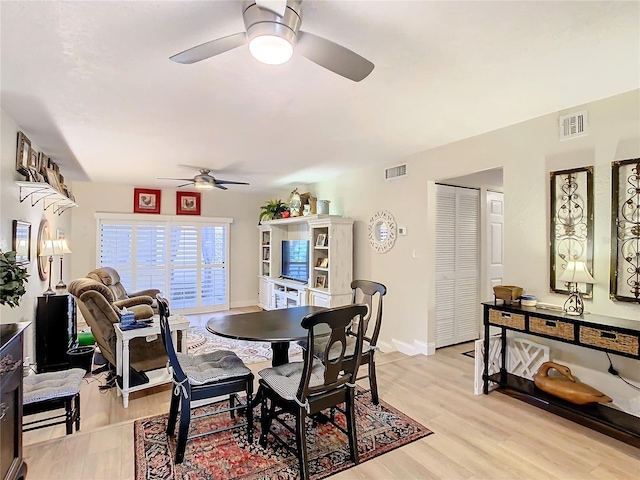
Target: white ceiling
(92, 85)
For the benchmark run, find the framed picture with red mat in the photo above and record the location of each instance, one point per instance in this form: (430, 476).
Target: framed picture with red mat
(146, 200)
(188, 203)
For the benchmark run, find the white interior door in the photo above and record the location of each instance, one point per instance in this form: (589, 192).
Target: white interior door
(494, 242)
(457, 265)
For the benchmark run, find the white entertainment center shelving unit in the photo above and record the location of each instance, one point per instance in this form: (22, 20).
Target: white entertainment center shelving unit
(330, 261)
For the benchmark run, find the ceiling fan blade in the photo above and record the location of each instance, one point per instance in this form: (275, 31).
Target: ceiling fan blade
(276, 6)
(183, 179)
(333, 57)
(185, 184)
(229, 182)
(221, 187)
(210, 49)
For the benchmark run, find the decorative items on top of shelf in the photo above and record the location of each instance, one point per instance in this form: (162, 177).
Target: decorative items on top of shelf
(624, 281)
(507, 293)
(12, 279)
(571, 224)
(295, 204)
(23, 154)
(273, 209)
(146, 200)
(21, 242)
(382, 231)
(323, 206)
(39, 168)
(188, 203)
(309, 204)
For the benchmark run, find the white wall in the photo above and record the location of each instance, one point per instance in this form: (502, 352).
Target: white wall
(527, 152)
(242, 207)
(12, 209)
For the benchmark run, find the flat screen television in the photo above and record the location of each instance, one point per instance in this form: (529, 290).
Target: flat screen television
(295, 260)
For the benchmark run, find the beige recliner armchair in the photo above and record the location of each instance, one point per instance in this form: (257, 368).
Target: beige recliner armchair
(110, 278)
(100, 310)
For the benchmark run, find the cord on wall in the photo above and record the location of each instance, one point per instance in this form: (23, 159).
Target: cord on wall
(613, 371)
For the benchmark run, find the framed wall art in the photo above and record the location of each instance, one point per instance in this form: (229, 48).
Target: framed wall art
(52, 179)
(21, 243)
(188, 203)
(146, 200)
(43, 161)
(23, 154)
(571, 226)
(624, 281)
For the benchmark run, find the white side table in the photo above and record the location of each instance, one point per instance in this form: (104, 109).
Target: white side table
(156, 377)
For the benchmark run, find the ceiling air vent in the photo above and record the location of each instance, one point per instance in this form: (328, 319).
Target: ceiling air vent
(395, 172)
(573, 125)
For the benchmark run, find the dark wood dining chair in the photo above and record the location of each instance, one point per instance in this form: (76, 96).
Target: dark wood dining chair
(306, 388)
(368, 293)
(198, 377)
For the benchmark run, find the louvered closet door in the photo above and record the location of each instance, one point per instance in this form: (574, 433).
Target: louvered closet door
(457, 265)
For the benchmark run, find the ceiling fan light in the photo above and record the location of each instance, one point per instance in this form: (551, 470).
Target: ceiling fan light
(203, 185)
(271, 49)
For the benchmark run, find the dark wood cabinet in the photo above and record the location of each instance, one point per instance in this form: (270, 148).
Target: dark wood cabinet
(12, 466)
(56, 331)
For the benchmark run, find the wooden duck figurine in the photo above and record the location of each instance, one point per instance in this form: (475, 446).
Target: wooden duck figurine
(566, 386)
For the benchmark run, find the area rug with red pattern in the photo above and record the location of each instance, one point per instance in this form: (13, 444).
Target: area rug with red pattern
(228, 456)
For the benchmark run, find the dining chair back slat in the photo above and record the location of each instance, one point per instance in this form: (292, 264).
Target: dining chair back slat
(199, 377)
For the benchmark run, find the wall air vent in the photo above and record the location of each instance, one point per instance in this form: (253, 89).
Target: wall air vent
(395, 172)
(573, 125)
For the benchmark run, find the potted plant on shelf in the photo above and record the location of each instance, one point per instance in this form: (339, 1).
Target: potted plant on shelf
(273, 209)
(12, 279)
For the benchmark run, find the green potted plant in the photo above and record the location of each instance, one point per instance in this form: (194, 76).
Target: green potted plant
(273, 209)
(12, 279)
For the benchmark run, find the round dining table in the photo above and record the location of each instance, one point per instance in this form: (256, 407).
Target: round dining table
(279, 327)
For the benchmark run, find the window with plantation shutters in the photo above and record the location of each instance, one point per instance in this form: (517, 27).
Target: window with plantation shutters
(186, 260)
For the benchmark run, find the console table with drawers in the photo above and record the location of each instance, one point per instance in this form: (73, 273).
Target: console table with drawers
(596, 332)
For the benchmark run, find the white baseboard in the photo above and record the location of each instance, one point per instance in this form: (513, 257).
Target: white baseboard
(417, 348)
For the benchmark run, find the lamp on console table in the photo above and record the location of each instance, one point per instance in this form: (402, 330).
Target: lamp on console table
(51, 248)
(63, 249)
(576, 272)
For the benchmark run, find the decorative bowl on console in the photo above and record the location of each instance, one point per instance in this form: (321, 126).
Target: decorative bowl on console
(508, 293)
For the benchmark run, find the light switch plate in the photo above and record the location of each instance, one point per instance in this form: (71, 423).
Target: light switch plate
(402, 230)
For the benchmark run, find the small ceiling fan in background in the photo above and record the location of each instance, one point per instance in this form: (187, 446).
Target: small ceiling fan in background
(204, 180)
(273, 33)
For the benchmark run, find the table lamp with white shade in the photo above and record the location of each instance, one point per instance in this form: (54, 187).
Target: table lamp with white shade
(50, 248)
(576, 272)
(64, 249)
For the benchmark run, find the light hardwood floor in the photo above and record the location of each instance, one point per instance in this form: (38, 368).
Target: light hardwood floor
(476, 437)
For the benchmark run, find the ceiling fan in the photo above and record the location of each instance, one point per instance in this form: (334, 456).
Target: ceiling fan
(273, 32)
(205, 181)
